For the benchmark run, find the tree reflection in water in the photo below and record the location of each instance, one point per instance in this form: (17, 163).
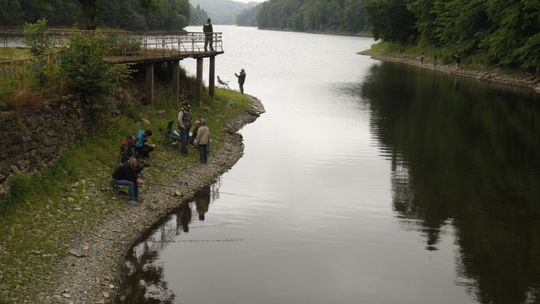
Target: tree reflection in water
(143, 275)
(466, 154)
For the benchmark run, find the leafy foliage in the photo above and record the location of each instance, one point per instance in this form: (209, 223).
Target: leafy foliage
(198, 16)
(313, 15)
(34, 35)
(248, 17)
(496, 32)
(88, 14)
(391, 20)
(88, 74)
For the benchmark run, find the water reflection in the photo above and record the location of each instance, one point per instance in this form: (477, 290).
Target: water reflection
(143, 276)
(465, 153)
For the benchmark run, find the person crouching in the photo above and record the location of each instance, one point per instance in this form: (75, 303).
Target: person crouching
(126, 175)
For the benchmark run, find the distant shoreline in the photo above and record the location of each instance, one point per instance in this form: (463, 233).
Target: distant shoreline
(509, 78)
(366, 35)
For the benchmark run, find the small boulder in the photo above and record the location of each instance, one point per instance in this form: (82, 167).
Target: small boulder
(77, 253)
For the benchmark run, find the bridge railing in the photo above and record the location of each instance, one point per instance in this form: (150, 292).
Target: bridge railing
(125, 43)
(121, 46)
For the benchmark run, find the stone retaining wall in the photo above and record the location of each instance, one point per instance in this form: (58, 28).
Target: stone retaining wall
(33, 138)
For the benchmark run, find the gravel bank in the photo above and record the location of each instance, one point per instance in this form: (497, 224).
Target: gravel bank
(90, 273)
(515, 79)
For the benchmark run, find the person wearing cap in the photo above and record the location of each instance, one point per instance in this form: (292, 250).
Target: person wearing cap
(241, 80)
(203, 139)
(184, 124)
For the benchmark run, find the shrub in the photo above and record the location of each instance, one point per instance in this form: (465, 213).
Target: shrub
(35, 37)
(88, 75)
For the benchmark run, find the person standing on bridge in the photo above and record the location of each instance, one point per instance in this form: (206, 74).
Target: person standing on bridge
(208, 35)
(241, 80)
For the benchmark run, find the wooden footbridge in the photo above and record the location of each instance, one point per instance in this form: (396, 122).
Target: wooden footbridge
(141, 48)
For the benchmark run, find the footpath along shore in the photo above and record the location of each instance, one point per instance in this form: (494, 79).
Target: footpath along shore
(91, 272)
(515, 79)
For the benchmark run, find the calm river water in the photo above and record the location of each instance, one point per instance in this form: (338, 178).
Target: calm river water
(365, 182)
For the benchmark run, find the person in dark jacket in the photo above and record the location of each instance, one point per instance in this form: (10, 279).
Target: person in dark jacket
(127, 175)
(208, 35)
(241, 80)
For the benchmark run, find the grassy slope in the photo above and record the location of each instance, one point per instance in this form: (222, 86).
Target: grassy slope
(47, 211)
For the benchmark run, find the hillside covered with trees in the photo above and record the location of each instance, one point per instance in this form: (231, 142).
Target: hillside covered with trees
(491, 32)
(223, 11)
(125, 14)
(248, 17)
(313, 15)
(197, 16)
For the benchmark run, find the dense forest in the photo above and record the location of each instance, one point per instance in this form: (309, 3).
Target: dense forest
(223, 11)
(494, 32)
(313, 15)
(125, 14)
(198, 16)
(248, 17)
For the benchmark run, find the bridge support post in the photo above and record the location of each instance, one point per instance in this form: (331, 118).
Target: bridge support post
(199, 80)
(176, 81)
(212, 77)
(150, 83)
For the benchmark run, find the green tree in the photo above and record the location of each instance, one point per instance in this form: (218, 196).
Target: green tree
(313, 15)
(198, 16)
(90, 12)
(35, 37)
(89, 76)
(391, 20)
(10, 12)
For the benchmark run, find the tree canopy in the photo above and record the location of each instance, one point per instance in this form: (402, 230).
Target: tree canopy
(249, 16)
(198, 16)
(313, 15)
(87, 14)
(495, 32)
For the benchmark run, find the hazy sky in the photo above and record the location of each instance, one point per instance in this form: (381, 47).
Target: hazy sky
(246, 1)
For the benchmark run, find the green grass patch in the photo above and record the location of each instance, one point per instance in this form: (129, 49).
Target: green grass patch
(46, 211)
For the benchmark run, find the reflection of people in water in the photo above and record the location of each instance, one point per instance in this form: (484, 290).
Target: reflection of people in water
(183, 217)
(202, 201)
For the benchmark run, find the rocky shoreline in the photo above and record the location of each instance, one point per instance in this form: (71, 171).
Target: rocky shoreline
(90, 274)
(510, 78)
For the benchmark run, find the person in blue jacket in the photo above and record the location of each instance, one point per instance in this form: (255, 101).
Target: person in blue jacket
(143, 146)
